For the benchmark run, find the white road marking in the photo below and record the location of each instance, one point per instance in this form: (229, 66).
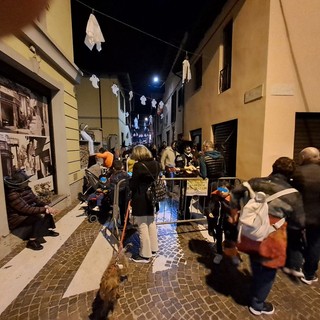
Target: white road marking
(20, 270)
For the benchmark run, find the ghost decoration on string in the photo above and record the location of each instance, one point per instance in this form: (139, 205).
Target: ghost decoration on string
(94, 81)
(143, 100)
(150, 120)
(130, 95)
(154, 103)
(186, 72)
(135, 123)
(115, 89)
(161, 104)
(94, 35)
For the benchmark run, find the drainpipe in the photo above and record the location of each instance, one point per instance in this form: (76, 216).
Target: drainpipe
(100, 106)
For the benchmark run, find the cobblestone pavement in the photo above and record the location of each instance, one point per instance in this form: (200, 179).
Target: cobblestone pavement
(180, 283)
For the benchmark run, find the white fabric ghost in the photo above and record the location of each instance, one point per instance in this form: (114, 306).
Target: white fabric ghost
(154, 103)
(130, 95)
(186, 72)
(135, 121)
(94, 80)
(150, 120)
(94, 35)
(115, 89)
(161, 105)
(143, 100)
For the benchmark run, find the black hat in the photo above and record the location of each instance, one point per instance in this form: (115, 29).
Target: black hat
(19, 178)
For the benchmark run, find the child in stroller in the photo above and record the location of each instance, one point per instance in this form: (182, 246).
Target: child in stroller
(217, 213)
(97, 199)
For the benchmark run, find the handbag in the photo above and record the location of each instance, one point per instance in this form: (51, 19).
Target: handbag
(271, 250)
(157, 191)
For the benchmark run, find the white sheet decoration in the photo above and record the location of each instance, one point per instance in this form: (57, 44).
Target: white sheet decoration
(150, 120)
(85, 136)
(154, 103)
(186, 72)
(161, 105)
(94, 35)
(135, 121)
(115, 89)
(130, 95)
(143, 100)
(94, 80)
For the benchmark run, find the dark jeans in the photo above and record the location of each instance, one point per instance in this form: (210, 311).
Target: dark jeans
(294, 249)
(40, 224)
(262, 281)
(312, 251)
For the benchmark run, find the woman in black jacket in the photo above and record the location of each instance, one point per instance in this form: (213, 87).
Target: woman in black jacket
(145, 170)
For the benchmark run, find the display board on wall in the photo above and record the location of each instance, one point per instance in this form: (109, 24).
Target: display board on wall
(24, 134)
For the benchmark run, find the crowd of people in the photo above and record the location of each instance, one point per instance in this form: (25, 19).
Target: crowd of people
(141, 164)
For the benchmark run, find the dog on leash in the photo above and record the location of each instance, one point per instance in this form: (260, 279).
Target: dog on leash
(108, 293)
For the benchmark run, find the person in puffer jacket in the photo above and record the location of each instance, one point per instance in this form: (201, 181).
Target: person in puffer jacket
(212, 166)
(307, 180)
(289, 206)
(24, 208)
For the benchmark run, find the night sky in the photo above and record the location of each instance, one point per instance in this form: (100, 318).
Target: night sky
(128, 50)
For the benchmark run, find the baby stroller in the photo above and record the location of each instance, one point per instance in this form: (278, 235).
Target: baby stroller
(97, 198)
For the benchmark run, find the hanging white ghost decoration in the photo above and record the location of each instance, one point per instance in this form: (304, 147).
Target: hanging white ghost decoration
(130, 95)
(94, 35)
(94, 80)
(135, 121)
(161, 105)
(186, 72)
(150, 120)
(154, 103)
(143, 100)
(115, 89)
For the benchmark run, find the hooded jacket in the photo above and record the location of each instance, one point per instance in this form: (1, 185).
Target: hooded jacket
(212, 165)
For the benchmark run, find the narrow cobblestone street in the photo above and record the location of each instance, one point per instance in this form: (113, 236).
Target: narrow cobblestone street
(181, 282)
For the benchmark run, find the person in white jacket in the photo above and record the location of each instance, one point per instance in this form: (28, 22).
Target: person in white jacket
(167, 160)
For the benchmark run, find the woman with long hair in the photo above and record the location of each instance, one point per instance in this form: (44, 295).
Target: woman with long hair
(145, 170)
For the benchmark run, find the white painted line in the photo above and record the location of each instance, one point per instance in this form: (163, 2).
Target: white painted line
(90, 272)
(20, 270)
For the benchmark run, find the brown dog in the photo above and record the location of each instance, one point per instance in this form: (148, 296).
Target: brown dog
(110, 282)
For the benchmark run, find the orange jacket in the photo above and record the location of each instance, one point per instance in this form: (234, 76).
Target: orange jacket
(108, 158)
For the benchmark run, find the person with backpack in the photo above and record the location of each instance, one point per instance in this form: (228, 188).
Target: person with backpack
(289, 206)
(145, 170)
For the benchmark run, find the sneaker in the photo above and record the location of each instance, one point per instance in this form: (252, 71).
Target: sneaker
(293, 272)
(217, 259)
(96, 208)
(154, 253)
(309, 280)
(34, 245)
(267, 309)
(52, 233)
(140, 259)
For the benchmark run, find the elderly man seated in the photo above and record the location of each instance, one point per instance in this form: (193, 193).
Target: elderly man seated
(24, 208)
